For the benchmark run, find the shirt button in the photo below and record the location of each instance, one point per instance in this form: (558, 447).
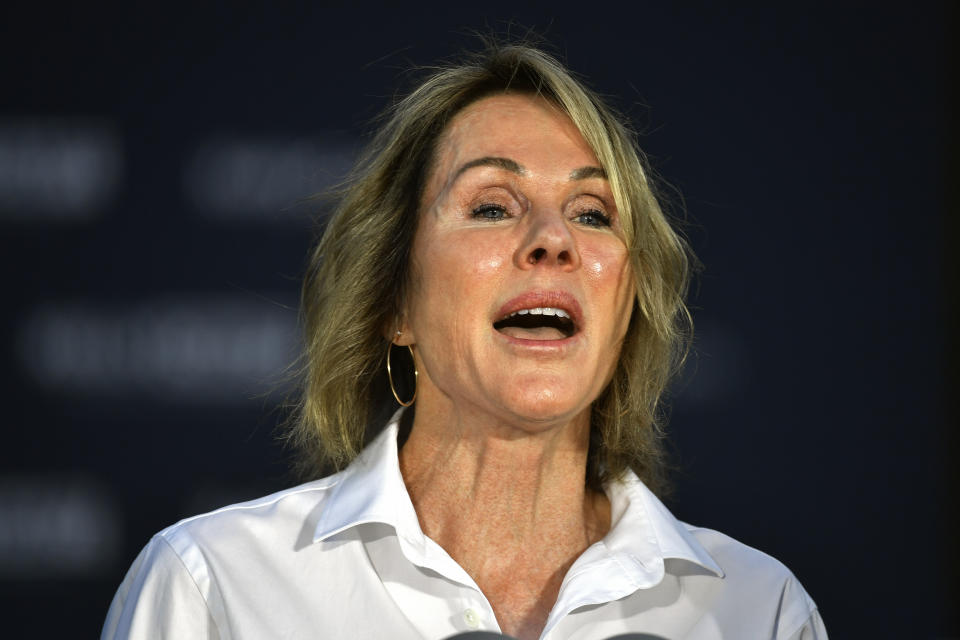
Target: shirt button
(471, 618)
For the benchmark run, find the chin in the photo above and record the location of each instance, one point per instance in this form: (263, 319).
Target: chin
(544, 407)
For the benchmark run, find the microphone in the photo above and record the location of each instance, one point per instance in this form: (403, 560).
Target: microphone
(492, 635)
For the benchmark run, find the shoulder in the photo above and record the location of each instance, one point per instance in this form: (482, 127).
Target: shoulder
(281, 517)
(759, 578)
(736, 557)
(184, 576)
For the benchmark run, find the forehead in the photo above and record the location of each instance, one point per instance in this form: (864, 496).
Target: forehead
(527, 129)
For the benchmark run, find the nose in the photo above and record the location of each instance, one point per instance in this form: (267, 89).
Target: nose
(548, 241)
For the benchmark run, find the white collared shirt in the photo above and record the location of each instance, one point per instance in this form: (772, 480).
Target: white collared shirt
(344, 558)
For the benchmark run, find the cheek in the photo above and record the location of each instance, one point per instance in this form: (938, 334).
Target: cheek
(609, 273)
(608, 267)
(465, 259)
(457, 272)
(489, 265)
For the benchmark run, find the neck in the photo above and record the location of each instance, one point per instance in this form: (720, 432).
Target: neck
(460, 474)
(508, 503)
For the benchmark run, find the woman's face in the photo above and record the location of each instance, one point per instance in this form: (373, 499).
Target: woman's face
(522, 288)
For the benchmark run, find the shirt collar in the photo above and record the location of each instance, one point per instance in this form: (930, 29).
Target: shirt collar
(371, 489)
(643, 528)
(643, 532)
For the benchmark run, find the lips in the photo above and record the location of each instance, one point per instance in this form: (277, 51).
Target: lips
(540, 316)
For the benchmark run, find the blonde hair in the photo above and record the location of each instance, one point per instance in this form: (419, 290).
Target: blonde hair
(359, 272)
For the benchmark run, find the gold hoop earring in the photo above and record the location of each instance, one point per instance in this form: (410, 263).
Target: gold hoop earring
(416, 374)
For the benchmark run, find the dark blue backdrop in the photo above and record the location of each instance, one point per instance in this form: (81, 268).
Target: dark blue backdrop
(152, 162)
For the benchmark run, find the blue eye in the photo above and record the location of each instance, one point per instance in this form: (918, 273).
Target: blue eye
(490, 212)
(594, 218)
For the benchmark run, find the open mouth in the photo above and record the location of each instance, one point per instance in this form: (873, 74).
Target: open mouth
(538, 323)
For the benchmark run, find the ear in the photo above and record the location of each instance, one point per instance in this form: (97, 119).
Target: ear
(399, 332)
(404, 337)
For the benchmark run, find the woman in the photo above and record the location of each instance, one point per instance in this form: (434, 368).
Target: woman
(501, 230)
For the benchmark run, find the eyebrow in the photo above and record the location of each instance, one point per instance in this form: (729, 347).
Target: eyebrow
(490, 161)
(507, 164)
(588, 172)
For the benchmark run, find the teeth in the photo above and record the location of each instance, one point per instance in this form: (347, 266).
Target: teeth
(541, 311)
